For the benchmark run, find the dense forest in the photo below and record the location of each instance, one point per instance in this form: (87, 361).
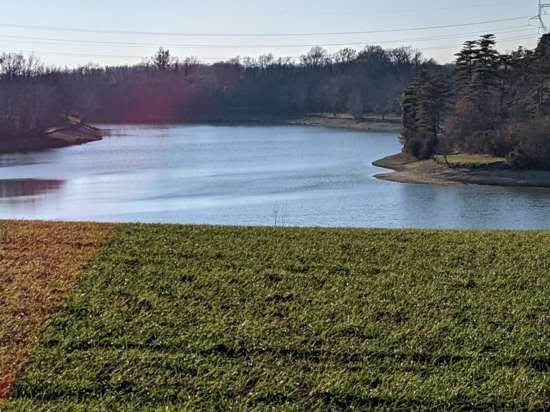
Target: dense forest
(166, 89)
(495, 104)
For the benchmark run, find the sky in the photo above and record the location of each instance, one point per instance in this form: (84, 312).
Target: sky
(273, 20)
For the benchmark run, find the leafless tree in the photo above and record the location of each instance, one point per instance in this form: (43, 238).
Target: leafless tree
(163, 60)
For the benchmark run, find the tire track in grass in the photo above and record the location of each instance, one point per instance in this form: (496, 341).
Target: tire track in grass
(227, 318)
(39, 264)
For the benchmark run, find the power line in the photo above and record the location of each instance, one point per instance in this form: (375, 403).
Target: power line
(219, 59)
(102, 56)
(505, 30)
(377, 11)
(148, 33)
(430, 9)
(530, 37)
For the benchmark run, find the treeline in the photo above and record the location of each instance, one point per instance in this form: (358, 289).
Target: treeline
(495, 104)
(166, 89)
(30, 97)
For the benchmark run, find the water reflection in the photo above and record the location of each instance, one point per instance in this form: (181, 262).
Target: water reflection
(28, 187)
(240, 175)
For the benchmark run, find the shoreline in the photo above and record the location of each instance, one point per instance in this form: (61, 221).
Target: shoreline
(72, 134)
(367, 124)
(77, 133)
(341, 121)
(407, 169)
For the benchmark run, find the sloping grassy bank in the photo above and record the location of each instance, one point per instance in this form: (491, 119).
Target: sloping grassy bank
(192, 317)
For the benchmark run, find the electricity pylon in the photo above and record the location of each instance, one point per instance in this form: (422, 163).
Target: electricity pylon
(543, 11)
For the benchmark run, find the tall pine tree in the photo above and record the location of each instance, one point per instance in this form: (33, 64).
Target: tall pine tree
(485, 77)
(464, 68)
(538, 99)
(423, 104)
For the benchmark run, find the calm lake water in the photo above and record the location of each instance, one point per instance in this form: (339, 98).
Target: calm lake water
(296, 176)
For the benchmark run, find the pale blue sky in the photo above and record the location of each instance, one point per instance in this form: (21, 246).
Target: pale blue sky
(251, 16)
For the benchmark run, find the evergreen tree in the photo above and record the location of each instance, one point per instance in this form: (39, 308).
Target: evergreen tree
(409, 103)
(431, 102)
(485, 77)
(539, 79)
(473, 119)
(423, 104)
(464, 68)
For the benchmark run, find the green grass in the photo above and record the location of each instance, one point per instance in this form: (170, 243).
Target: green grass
(470, 160)
(203, 318)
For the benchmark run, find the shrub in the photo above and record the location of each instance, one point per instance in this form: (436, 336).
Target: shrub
(531, 144)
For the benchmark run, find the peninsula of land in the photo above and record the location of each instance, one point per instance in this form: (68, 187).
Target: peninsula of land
(72, 132)
(407, 169)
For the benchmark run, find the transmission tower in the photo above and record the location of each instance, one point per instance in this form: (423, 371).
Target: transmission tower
(543, 11)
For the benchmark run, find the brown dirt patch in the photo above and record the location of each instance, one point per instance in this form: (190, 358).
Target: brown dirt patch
(39, 263)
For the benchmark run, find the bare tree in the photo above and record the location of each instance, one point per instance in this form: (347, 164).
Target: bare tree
(345, 56)
(13, 66)
(163, 60)
(316, 57)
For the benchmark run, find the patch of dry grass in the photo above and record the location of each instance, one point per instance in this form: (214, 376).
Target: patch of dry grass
(472, 161)
(39, 264)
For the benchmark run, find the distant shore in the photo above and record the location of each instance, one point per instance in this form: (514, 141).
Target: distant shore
(72, 133)
(366, 123)
(407, 169)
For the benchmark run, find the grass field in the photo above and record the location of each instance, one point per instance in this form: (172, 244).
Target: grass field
(472, 161)
(201, 318)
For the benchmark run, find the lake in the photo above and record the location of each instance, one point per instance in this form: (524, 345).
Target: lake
(233, 175)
